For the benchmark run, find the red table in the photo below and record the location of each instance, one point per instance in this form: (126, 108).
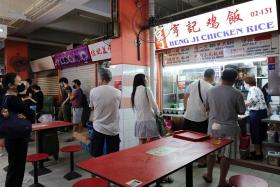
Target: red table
(48, 129)
(50, 125)
(135, 163)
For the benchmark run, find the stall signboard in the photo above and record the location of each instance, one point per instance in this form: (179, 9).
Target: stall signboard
(253, 17)
(42, 64)
(100, 51)
(72, 57)
(249, 46)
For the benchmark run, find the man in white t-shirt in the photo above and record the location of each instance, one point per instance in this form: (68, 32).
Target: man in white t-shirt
(105, 101)
(196, 117)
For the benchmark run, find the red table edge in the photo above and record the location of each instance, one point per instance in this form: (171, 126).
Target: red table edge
(141, 185)
(34, 128)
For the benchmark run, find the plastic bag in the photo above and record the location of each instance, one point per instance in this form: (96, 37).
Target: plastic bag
(45, 118)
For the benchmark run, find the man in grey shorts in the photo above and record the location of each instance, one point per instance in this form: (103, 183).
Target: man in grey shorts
(224, 103)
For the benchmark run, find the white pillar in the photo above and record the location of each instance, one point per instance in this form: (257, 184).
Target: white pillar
(153, 64)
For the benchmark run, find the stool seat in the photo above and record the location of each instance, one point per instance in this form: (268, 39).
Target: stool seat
(37, 157)
(247, 180)
(71, 148)
(90, 182)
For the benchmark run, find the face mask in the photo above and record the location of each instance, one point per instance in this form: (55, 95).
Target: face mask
(74, 86)
(21, 87)
(246, 86)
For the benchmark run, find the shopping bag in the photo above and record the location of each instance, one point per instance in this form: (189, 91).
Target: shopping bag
(161, 125)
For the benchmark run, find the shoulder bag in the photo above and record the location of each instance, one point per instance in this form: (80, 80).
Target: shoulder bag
(159, 120)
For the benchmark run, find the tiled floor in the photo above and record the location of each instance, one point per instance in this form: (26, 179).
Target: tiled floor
(55, 178)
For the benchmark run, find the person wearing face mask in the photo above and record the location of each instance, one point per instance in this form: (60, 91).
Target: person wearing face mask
(258, 110)
(76, 102)
(64, 113)
(37, 99)
(16, 147)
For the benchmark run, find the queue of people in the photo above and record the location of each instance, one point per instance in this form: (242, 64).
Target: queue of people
(207, 107)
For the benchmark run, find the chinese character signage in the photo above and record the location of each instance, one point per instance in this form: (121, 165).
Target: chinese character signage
(244, 19)
(73, 57)
(249, 46)
(100, 51)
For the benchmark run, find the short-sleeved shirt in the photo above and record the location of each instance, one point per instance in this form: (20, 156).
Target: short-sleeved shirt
(195, 110)
(64, 94)
(256, 98)
(77, 98)
(106, 102)
(224, 103)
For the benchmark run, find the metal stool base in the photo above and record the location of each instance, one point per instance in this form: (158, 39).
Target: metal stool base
(72, 175)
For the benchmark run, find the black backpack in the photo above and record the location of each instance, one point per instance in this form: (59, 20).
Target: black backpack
(84, 101)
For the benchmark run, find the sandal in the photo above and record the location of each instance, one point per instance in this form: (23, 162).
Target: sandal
(201, 165)
(206, 179)
(158, 185)
(167, 180)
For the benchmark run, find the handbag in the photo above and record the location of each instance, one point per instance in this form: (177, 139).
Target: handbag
(161, 125)
(159, 120)
(11, 126)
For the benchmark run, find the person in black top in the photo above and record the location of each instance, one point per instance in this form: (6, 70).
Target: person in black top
(64, 113)
(29, 90)
(38, 96)
(38, 99)
(16, 147)
(2, 95)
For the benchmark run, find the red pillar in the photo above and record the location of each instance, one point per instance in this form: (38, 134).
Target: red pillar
(16, 58)
(124, 50)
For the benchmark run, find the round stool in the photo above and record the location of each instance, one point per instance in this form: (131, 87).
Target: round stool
(71, 149)
(247, 180)
(90, 182)
(34, 159)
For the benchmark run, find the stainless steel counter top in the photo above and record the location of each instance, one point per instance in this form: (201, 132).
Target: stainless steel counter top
(272, 119)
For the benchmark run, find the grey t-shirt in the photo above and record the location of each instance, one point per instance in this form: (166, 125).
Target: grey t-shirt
(224, 103)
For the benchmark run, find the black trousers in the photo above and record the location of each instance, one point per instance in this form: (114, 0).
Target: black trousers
(98, 141)
(17, 151)
(201, 127)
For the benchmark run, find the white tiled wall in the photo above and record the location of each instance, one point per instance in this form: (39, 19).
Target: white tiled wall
(127, 118)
